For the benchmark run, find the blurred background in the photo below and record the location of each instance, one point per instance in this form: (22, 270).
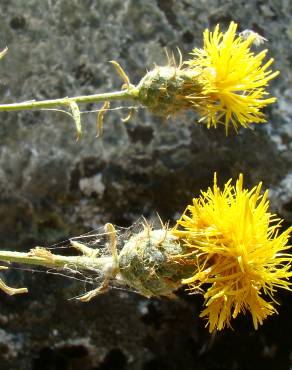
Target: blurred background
(52, 188)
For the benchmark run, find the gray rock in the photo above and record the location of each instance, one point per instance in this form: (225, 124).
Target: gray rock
(53, 188)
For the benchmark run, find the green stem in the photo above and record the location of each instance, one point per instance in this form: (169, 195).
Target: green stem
(50, 260)
(127, 94)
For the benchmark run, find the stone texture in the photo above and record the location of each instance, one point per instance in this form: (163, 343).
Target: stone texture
(53, 188)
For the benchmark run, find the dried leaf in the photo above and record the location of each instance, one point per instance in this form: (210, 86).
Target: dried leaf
(99, 122)
(129, 116)
(121, 72)
(11, 291)
(77, 118)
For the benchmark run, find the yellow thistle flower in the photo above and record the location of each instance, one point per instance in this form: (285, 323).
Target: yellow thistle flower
(240, 255)
(225, 82)
(232, 77)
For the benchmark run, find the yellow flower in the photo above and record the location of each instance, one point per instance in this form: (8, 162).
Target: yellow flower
(239, 254)
(232, 77)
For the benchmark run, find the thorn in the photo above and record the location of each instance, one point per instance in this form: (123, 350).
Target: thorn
(173, 59)
(180, 58)
(3, 52)
(167, 56)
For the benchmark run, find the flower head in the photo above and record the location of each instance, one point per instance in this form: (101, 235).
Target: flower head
(225, 81)
(239, 254)
(233, 78)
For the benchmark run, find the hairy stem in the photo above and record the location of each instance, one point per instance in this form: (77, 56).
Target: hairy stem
(43, 257)
(128, 94)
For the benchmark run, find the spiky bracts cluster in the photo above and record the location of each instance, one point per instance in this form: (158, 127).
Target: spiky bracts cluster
(240, 255)
(169, 90)
(225, 82)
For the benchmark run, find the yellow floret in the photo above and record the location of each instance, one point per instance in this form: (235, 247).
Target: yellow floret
(240, 256)
(232, 77)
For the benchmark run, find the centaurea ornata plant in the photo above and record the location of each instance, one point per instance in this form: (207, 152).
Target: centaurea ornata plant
(224, 82)
(226, 245)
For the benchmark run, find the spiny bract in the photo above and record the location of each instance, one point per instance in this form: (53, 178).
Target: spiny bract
(240, 256)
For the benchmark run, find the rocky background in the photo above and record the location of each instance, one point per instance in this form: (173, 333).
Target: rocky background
(52, 188)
